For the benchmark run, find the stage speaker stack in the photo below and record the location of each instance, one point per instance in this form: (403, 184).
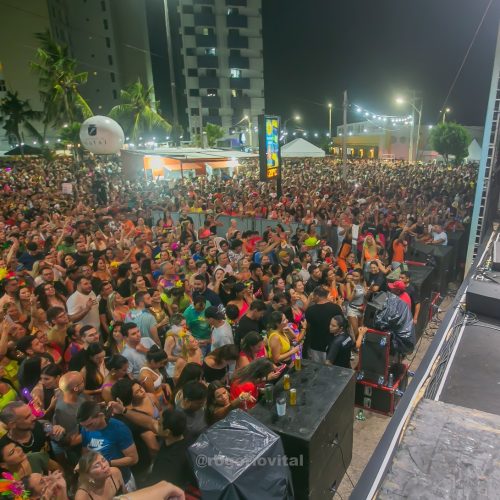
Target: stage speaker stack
(380, 382)
(421, 278)
(439, 257)
(483, 297)
(319, 428)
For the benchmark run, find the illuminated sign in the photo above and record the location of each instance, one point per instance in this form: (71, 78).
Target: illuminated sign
(269, 147)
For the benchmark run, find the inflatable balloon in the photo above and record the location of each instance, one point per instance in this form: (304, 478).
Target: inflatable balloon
(101, 135)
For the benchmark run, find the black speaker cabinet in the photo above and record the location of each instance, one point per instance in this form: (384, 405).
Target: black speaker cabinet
(421, 277)
(374, 357)
(483, 297)
(442, 259)
(318, 430)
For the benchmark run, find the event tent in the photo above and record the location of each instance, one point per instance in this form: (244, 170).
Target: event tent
(300, 148)
(474, 151)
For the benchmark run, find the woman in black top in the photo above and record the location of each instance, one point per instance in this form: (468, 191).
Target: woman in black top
(94, 371)
(216, 364)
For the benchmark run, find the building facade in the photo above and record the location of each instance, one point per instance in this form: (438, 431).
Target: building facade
(223, 65)
(109, 39)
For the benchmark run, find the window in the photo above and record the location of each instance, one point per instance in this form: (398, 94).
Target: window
(105, 23)
(211, 92)
(211, 51)
(110, 60)
(236, 93)
(103, 6)
(195, 112)
(194, 92)
(190, 52)
(115, 94)
(233, 11)
(235, 73)
(189, 30)
(108, 42)
(192, 72)
(188, 9)
(3, 87)
(112, 76)
(205, 31)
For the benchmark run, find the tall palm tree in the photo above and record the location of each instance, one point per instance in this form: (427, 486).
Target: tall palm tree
(138, 113)
(16, 114)
(59, 83)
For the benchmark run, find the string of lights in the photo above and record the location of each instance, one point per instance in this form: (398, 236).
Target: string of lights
(381, 117)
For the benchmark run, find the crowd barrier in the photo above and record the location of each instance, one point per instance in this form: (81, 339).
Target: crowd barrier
(250, 224)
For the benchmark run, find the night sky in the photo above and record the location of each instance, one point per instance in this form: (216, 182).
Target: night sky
(314, 49)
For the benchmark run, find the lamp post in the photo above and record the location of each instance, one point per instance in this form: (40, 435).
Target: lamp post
(400, 100)
(330, 107)
(285, 130)
(250, 130)
(445, 112)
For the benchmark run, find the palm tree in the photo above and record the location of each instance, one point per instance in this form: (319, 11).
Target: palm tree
(59, 83)
(138, 113)
(16, 115)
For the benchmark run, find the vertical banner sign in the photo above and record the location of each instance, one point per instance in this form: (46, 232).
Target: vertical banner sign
(269, 147)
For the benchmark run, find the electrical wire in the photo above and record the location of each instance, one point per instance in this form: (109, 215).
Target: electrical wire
(343, 463)
(467, 54)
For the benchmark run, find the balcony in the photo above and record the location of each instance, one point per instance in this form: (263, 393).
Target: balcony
(237, 42)
(237, 21)
(239, 83)
(236, 3)
(216, 120)
(239, 62)
(210, 101)
(206, 41)
(209, 82)
(208, 61)
(242, 102)
(204, 19)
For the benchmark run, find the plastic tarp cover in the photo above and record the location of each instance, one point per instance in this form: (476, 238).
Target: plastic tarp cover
(239, 458)
(395, 317)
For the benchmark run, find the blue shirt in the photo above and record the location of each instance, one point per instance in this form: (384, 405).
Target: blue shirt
(110, 442)
(143, 319)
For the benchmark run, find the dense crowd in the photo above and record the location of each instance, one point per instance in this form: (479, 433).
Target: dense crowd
(125, 331)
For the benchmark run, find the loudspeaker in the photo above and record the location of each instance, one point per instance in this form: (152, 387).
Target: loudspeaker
(374, 357)
(483, 297)
(319, 428)
(495, 261)
(376, 304)
(421, 278)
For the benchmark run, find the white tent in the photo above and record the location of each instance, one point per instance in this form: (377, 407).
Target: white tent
(300, 148)
(474, 151)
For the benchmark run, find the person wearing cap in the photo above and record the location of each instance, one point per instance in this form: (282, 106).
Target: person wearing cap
(222, 332)
(399, 288)
(236, 251)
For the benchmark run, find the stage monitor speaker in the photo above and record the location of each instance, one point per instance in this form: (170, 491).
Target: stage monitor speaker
(483, 297)
(495, 261)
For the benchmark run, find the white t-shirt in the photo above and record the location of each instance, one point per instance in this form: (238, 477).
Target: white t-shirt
(77, 302)
(440, 236)
(222, 335)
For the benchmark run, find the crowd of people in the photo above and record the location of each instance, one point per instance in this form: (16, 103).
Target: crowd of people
(124, 334)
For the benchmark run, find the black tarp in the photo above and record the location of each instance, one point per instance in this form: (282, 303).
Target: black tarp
(395, 317)
(239, 458)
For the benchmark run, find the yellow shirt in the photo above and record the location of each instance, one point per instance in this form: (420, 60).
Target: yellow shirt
(285, 343)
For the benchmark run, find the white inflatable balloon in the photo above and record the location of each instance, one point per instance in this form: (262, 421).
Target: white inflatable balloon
(101, 135)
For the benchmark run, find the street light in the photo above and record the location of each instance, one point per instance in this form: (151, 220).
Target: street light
(295, 118)
(330, 107)
(445, 112)
(250, 141)
(401, 100)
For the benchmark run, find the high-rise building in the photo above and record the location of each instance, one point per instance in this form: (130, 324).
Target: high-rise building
(223, 65)
(109, 39)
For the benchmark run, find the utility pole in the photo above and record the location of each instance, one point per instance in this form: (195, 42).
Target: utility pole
(412, 131)
(202, 132)
(344, 146)
(171, 68)
(330, 108)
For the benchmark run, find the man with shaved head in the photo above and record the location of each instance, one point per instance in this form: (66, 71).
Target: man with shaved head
(68, 449)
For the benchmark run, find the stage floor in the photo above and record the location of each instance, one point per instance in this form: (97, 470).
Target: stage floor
(473, 380)
(446, 452)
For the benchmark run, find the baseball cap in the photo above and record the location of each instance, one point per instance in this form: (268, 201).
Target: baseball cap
(397, 286)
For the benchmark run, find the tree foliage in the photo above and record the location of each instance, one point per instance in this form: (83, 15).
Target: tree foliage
(214, 132)
(451, 139)
(16, 115)
(59, 83)
(137, 115)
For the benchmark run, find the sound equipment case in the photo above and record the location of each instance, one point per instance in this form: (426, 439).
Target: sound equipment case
(374, 357)
(380, 398)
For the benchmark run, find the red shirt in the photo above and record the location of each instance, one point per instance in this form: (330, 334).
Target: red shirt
(406, 298)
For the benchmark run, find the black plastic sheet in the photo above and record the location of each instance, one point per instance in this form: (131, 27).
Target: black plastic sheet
(395, 317)
(240, 458)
